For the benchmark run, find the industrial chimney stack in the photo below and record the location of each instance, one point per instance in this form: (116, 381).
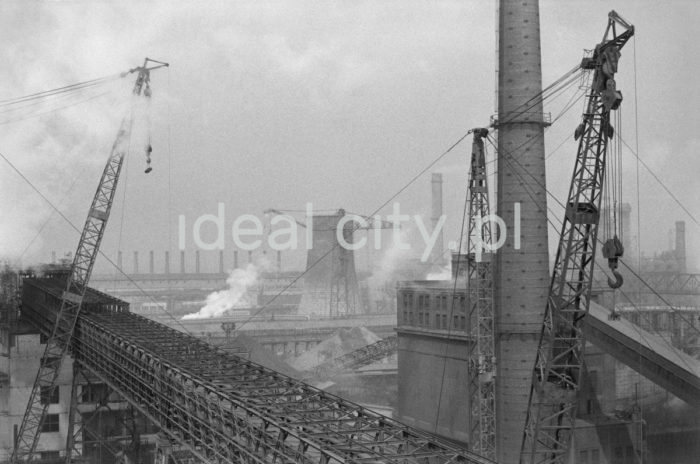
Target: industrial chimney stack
(436, 257)
(522, 274)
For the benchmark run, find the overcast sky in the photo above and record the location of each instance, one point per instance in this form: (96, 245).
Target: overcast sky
(275, 104)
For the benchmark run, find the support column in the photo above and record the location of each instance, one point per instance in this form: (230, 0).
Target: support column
(522, 274)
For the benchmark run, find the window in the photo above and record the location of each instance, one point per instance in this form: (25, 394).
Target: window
(444, 321)
(49, 395)
(50, 423)
(456, 323)
(463, 322)
(595, 456)
(437, 321)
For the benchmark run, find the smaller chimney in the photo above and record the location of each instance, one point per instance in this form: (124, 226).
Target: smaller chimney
(235, 259)
(167, 262)
(182, 262)
(136, 262)
(221, 261)
(150, 262)
(680, 247)
(196, 262)
(119, 260)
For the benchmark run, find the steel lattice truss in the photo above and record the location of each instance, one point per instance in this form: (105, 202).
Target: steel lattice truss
(482, 353)
(226, 409)
(559, 361)
(358, 358)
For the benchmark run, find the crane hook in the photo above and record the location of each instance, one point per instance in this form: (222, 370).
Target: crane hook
(619, 280)
(613, 250)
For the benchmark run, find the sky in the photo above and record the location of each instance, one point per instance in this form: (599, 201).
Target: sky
(341, 104)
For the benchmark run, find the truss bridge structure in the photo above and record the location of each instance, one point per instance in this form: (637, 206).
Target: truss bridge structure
(222, 408)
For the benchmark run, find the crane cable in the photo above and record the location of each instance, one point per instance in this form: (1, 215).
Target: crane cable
(508, 159)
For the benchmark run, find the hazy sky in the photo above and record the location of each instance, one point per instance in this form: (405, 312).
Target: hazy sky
(275, 104)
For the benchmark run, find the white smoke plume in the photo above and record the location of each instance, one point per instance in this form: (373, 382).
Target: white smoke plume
(443, 274)
(236, 295)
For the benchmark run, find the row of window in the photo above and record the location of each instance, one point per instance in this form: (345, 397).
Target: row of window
(433, 311)
(434, 321)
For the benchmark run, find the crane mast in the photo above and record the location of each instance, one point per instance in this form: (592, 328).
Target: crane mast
(559, 362)
(482, 349)
(58, 343)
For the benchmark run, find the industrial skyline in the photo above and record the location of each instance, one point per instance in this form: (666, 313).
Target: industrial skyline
(240, 73)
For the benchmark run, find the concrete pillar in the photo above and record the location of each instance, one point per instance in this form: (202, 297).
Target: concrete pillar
(151, 262)
(167, 262)
(522, 275)
(197, 269)
(182, 262)
(435, 214)
(221, 261)
(136, 262)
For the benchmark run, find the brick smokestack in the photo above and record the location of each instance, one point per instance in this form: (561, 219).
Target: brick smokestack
(680, 247)
(235, 259)
(136, 262)
(221, 261)
(151, 263)
(522, 275)
(120, 260)
(197, 268)
(167, 262)
(435, 214)
(182, 262)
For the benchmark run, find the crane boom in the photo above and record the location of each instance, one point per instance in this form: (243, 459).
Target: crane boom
(558, 368)
(77, 281)
(482, 350)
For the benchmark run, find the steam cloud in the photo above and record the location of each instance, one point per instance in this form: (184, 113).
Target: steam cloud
(235, 296)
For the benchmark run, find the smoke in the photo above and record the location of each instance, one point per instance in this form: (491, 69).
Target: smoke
(443, 274)
(236, 295)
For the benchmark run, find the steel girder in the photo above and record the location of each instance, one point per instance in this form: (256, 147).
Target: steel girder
(226, 409)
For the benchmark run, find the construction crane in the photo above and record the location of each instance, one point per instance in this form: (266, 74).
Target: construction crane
(558, 368)
(77, 280)
(482, 350)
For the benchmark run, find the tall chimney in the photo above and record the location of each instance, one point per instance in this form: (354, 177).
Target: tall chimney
(196, 262)
(279, 261)
(182, 261)
(151, 262)
(167, 262)
(221, 261)
(522, 275)
(436, 214)
(680, 247)
(136, 262)
(119, 260)
(235, 259)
